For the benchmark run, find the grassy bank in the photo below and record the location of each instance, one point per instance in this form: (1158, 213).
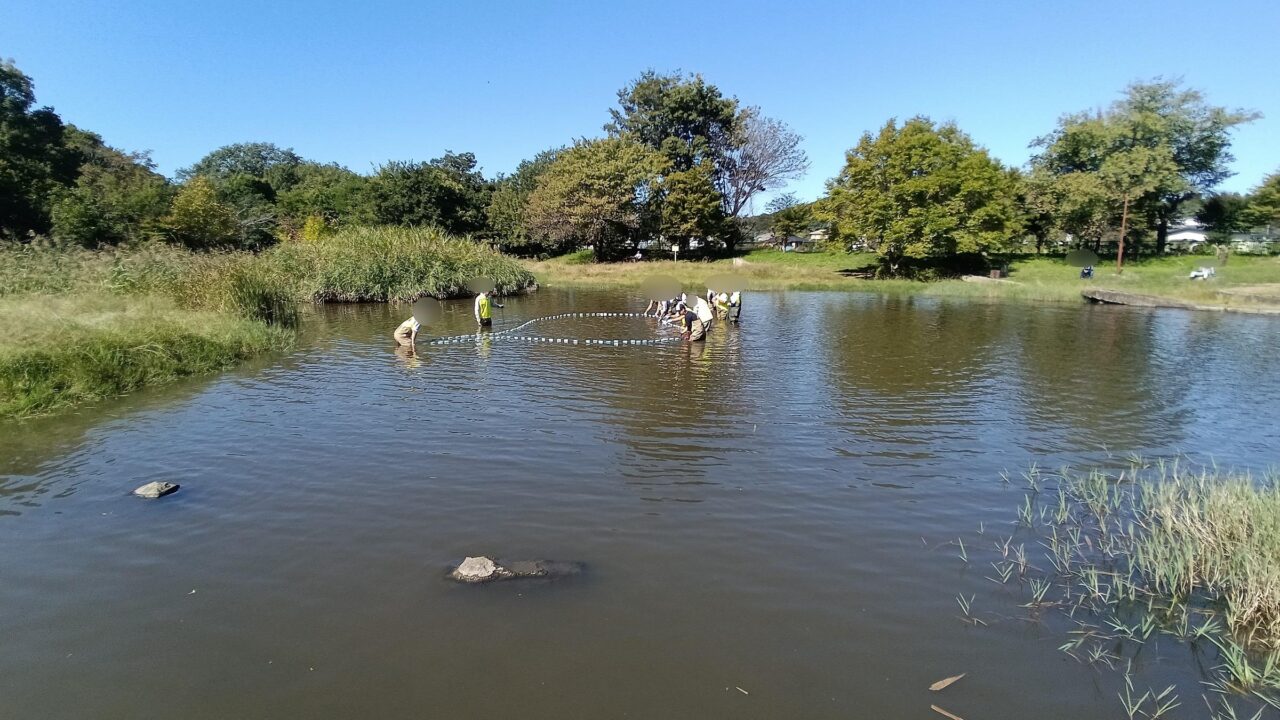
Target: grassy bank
(80, 325)
(1157, 553)
(1031, 278)
(57, 351)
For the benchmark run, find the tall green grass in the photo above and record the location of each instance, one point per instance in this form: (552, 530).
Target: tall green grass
(57, 351)
(379, 264)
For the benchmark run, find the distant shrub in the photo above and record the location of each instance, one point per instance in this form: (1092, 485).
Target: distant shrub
(580, 257)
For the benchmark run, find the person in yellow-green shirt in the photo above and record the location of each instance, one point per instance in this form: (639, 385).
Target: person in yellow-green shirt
(484, 309)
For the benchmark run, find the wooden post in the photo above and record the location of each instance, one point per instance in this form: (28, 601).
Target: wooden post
(1124, 222)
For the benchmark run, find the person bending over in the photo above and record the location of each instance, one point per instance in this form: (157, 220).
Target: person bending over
(693, 327)
(407, 334)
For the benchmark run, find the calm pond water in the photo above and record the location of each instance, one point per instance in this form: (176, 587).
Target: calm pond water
(764, 517)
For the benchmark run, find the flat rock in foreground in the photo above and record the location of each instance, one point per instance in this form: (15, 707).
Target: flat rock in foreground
(482, 569)
(154, 490)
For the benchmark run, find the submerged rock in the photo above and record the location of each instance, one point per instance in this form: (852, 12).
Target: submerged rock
(482, 569)
(156, 489)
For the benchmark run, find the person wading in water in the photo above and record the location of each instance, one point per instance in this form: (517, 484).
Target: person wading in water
(484, 309)
(407, 334)
(694, 328)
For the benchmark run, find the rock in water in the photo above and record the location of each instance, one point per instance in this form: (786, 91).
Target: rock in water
(482, 569)
(476, 569)
(156, 489)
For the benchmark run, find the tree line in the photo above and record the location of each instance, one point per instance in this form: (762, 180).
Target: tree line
(680, 162)
(920, 193)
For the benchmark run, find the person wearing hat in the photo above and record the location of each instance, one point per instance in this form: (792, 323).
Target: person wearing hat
(484, 309)
(407, 334)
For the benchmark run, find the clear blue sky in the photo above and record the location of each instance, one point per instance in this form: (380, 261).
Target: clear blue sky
(363, 82)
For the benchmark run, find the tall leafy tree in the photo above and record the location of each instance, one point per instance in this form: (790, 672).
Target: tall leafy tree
(691, 207)
(1224, 214)
(685, 118)
(506, 214)
(789, 218)
(598, 193)
(1162, 119)
(117, 197)
(695, 125)
(276, 166)
(35, 162)
(466, 212)
(1264, 203)
(447, 192)
(1132, 174)
(1076, 204)
(922, 192)
(327, 191)
(198, 220)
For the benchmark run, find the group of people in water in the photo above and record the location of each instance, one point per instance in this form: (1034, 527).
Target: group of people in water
(693, 319)
(696, 319)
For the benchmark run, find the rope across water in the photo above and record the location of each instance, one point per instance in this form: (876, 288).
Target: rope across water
(509, 334)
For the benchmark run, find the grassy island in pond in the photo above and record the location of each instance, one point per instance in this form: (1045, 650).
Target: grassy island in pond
(82, 325)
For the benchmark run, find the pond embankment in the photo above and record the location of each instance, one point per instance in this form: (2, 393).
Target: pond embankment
(82, 325)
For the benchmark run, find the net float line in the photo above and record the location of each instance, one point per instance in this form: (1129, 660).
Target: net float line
(509, 334)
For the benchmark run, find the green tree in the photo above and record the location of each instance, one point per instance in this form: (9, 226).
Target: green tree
(598, 193)
(196, 218)
(920, 192)
(1163, 118)
(1224, 214)
(329, 191)
(695, 125)
(1077, 204)
(687, 119)
(789, 218)
(691, 207)
(1132, 174)
(35, 163)
(248, 178)
(466, 213)
(1264, 203)
(447, 192)
(253, 202)
(118, 196)
(275, 166)
(506, 213)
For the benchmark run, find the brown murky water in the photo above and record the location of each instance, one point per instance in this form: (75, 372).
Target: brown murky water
(763, 518)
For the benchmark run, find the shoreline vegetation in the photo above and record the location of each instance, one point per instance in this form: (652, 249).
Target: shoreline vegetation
(1031, 278)
(78, 326)
(1155, 554)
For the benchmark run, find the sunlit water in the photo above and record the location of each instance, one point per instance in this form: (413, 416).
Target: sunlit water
(764, 517)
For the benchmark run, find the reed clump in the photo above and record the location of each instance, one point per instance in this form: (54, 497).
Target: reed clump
(380, 264)
(1164, 550)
